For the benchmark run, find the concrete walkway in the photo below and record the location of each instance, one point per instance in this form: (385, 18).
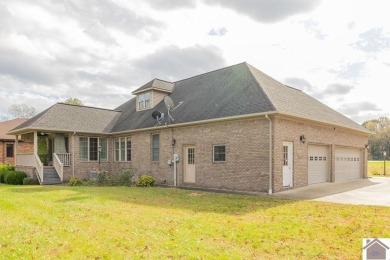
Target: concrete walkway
(371, 191)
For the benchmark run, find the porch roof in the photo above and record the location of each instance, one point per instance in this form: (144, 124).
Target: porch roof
(71, 118)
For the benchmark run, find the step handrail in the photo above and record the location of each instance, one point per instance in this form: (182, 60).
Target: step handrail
(39, 168)
(59, 166)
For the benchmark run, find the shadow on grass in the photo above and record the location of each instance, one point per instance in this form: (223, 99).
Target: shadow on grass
(165, 198)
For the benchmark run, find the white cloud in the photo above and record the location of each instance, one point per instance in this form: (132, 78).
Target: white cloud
(98, 51)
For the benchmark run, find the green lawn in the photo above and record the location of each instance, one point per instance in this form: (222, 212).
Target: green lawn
(375, 168)
(115, 223)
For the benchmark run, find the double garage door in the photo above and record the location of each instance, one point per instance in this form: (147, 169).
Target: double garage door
(347, 164)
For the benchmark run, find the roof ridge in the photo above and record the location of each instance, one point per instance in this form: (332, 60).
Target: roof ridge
(100, 108)
(248, 66)
(205, 73)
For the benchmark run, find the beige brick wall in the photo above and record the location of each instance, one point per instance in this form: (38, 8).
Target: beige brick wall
(289, 130)
(247, 153)
(245, 169)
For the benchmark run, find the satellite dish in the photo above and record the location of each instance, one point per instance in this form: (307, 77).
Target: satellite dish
(170, 106)
(158, 116)
(169, 103)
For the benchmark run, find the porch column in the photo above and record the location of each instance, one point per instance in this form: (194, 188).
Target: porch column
(16, 148)
(35, 143)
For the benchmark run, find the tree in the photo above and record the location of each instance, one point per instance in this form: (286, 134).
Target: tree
(380, 141)
(74, 101)
(21, 111)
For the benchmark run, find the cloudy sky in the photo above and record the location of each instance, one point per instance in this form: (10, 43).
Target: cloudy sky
(101, 50)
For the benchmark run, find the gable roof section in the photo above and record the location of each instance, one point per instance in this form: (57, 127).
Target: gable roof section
(294, 102)
(8, 125)
(227, 92)
(156, 84)
(71, 118)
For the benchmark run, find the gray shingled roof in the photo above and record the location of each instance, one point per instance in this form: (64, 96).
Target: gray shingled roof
(156, 84)
(233, 91)
(227, 92)
(64, 117)
(291, 101)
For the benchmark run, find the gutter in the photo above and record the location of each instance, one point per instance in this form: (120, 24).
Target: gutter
(270, 154)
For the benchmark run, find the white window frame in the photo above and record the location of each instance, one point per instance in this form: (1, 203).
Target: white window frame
(126, 149)
(224, 145)
(88, 149)
(144, 100)
(155, 148)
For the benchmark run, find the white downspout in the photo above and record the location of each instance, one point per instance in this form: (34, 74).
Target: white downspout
(174, 171)
(73, 156)
(270, 154)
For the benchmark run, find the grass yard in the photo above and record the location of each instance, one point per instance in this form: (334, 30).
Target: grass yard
(375, 168)
(115, 223)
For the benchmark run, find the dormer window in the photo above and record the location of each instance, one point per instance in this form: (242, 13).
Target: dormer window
(144, 101)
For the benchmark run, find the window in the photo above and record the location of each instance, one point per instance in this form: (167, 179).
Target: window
(219, 153)
(155, 147)
(285, 155)
(144, 101)
(122, 147)
(89, 149)
(10, 150)
(191, 156)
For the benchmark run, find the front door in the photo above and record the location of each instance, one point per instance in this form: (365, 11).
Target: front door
(189, 164)
(288, 164)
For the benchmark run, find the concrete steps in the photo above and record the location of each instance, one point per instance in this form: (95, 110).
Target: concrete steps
(50, 176)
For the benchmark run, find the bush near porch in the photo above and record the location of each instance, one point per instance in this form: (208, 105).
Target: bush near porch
(131, 222)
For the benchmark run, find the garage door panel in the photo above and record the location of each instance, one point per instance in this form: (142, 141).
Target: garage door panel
(318, 164)
(348, 164)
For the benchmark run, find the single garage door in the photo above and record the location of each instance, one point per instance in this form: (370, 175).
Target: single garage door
(318, 164)
(348, 164)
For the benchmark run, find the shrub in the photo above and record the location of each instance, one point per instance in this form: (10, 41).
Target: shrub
(28, 181)
(2, 175)
(14, 177)
(126, 178)
(146, 181)
(7, 167)
(101, 178)
(74, 181)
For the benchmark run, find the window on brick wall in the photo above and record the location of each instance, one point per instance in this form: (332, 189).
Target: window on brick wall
(10, 150)
(219, 153)
(89, 149)
(122, 147)
(155, 147)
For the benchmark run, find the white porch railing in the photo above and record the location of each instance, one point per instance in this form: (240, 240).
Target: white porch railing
(39, 167)
(58, 165)
(64, 158)
(25, 159)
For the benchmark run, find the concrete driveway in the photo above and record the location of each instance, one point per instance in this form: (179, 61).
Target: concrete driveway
(371, 191)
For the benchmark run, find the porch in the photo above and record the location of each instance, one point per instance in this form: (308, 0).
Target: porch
(49, 157)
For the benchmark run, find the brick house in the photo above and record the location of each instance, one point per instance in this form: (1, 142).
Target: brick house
(7, 142)
(235, 128)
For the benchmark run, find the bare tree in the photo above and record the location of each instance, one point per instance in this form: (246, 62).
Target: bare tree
(74, 101)
(21, 111)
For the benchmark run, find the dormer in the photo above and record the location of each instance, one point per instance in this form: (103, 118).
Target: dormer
(152, 93)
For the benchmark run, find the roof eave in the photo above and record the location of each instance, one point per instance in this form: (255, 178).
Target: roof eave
(151, 88)
(326, 123)
(33, 129)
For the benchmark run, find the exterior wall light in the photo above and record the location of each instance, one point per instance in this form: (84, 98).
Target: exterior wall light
(302, 138)
(173, 142)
